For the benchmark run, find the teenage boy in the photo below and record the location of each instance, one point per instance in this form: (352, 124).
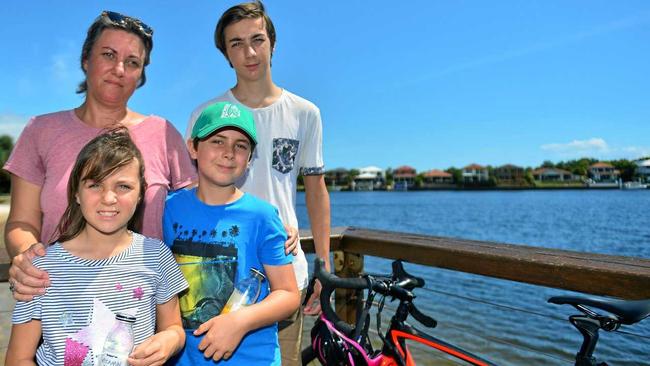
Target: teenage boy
(217, 234)
(290, 138)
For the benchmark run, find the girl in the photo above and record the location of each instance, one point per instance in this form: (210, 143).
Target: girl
(99, 267)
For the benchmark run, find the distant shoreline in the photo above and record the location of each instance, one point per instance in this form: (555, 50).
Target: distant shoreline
(301, 188)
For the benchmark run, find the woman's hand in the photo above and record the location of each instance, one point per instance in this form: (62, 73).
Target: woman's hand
(291, 245)
(25, 279)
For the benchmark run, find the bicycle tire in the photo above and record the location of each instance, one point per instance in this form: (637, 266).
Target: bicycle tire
(307, 355)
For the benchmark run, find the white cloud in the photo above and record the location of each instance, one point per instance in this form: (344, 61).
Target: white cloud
(578, 146)
(635, 152)
(595, 148)
(12, 125)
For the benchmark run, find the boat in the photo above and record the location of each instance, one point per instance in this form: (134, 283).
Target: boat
(634, 185)
(602, 184)
(400, 186)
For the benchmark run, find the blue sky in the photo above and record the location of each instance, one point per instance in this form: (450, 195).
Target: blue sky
(432, 85)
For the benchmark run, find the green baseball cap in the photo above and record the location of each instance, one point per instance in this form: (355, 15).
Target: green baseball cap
(225, 114)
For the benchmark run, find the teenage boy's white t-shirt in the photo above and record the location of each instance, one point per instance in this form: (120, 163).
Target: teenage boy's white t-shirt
(289, 135)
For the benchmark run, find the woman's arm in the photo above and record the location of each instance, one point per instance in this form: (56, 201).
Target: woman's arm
(23, 343)
(225, 332)
(23, 226)
(22, 233)
(169, 338)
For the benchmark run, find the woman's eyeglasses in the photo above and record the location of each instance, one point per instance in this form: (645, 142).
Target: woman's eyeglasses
(125, 21)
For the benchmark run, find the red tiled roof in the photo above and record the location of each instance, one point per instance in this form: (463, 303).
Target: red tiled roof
(404, 169)
(473, 166)
(601, 165)
(544, 170)
(434, 173)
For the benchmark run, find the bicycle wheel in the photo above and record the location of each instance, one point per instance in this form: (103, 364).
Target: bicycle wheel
(308, 356)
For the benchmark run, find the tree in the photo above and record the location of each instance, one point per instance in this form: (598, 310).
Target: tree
(6, 145)
(528, 175)
(457, 175)
(548, 164)
(389, 177)
(626, 168)
(419, 180)
(352, 173)
(578, 167)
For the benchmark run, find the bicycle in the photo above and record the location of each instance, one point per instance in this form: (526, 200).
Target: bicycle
(335, 342)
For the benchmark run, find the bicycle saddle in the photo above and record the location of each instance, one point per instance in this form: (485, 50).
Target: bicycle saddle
(628, 311)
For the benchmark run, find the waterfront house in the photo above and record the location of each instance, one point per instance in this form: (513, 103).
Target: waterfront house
(603, 173)
(643, 170)
(437, 179)
(404, 176)
(369, 179)
(553, 175)
(475, 173)
(337, 178)
(510, 175)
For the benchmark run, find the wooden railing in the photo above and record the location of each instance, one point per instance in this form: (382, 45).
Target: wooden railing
(598, 274)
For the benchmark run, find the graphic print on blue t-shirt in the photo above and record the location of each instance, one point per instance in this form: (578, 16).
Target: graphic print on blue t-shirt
(208, 261)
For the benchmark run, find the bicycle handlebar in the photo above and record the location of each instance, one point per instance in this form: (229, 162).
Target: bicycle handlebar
(329, 282)
(399, 287)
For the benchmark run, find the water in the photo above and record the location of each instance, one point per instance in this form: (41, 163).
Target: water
(602, 221)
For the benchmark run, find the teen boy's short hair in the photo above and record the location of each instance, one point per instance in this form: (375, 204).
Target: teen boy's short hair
(252, 10)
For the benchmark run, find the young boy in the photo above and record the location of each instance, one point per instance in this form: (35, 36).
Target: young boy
(290, 140)
(218, 233)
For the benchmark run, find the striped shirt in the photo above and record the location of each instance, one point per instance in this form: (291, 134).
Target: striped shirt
(78, 309)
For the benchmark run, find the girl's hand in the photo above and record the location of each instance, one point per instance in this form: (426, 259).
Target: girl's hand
(222, 335)
(154, 351)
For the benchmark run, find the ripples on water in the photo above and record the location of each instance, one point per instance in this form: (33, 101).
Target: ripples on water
(603, 221)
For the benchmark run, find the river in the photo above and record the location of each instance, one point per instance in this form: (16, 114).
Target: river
(506, 322)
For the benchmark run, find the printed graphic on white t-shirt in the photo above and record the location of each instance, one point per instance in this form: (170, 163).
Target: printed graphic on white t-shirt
(284, 154)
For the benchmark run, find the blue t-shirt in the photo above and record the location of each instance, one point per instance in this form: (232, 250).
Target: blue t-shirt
(78, 311)
(216, 246)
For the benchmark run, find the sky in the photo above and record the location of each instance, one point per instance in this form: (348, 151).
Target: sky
(426, 83)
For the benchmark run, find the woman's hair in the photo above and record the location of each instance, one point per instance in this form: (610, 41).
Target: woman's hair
(252, 10)
(101, 157)
(126, 23)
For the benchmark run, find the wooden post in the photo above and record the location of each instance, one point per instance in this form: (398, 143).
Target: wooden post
(347, 265)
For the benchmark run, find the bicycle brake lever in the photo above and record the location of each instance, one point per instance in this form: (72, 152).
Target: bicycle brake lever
(425, 320)
(310, 290)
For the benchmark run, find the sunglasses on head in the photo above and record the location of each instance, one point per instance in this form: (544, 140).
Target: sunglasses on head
(125, 21)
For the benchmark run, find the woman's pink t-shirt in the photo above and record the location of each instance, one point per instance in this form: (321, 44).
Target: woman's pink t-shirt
(48, 147)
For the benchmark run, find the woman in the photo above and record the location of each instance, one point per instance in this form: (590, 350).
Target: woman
(113, 58)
